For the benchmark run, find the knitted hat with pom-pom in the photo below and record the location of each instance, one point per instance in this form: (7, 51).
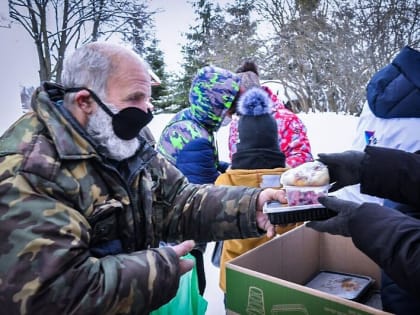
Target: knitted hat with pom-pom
(258, 144)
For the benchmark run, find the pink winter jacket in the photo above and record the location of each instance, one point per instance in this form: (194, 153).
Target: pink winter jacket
(293, 141)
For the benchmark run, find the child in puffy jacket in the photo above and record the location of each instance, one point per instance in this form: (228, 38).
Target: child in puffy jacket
(292, 137)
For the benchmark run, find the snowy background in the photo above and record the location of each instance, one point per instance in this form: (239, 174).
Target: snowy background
(327, 132)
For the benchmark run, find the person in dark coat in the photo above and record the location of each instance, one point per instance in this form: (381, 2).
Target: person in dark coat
(399, 98)
(389, 237)
(391, 118)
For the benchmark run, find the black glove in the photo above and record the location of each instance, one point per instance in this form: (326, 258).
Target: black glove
(343, 168)
(338, 224)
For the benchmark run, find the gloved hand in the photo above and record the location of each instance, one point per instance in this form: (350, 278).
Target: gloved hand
(343, 168)
(338, 224)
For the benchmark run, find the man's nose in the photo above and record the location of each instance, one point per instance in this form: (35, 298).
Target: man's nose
(145, 106)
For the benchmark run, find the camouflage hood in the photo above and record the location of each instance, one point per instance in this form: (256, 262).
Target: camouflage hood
(46, 118)
(212, 93)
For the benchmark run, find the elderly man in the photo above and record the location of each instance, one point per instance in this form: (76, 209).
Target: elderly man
(85, 199)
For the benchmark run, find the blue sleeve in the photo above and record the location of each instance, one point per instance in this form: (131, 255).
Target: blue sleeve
(197, 162)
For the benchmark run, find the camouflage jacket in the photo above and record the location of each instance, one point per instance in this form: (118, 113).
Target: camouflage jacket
(59, 198)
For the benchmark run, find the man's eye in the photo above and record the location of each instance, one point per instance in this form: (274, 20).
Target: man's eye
(137, 98)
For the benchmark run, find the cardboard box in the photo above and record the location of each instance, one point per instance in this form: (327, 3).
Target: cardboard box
(269, 279)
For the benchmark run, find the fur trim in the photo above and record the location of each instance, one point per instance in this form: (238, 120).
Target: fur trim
(254, 102)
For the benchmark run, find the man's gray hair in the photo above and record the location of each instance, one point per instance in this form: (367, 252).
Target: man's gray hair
(88, 66)
(91, 66)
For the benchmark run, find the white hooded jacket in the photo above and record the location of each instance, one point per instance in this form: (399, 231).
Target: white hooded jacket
(396, 133)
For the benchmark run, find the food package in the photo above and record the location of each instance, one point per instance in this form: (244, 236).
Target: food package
(307, 174)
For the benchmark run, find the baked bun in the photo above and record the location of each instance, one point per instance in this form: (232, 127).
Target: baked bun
(307, 174)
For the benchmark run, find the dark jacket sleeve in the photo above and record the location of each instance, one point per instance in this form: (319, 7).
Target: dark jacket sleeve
(391, 240)
(391, 174)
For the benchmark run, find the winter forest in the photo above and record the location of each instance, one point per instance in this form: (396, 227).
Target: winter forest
(322, 51)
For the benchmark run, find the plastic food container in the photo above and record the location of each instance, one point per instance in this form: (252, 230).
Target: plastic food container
(305, 195)
(346, 285)
(302, 205)
(282, 214)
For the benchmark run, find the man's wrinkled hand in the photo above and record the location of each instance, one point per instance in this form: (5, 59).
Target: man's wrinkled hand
(343, 168)
(338, 224)
(181, 250)
(262, 219)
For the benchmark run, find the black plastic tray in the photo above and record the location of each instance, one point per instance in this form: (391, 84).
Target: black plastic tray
(346, 285)
(282, 214)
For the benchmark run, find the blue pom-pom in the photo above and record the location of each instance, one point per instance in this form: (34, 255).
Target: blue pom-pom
(254, 102)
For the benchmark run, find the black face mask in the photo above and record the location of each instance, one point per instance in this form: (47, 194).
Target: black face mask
(127, 123)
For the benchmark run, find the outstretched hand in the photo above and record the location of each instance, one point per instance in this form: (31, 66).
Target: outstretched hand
(338, 224)
(343, 168)
(182, 249)
(262, 218)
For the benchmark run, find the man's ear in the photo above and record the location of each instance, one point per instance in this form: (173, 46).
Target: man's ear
(83, 107)
(84, 102)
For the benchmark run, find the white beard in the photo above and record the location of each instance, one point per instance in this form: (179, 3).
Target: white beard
(99, 127)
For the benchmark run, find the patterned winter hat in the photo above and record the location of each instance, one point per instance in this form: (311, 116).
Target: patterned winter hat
(248, 72)
(213, 91)
(258, 145)
(249, 80)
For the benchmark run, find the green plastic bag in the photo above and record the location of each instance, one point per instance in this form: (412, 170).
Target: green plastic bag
(188, 299)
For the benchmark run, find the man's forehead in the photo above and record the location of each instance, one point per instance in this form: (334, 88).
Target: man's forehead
(130, 70)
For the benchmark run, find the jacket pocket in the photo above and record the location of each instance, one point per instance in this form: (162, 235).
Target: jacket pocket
(104, 221)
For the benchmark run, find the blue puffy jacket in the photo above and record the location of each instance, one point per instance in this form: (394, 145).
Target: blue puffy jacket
(394, 91)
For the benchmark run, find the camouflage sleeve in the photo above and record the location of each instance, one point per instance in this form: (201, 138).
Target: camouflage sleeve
(46, 266)
(203, 212)
(210, 213)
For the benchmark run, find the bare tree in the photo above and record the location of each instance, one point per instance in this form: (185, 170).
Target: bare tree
(234, 38)
(326, 51)
(386, 26)
(56, 25)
